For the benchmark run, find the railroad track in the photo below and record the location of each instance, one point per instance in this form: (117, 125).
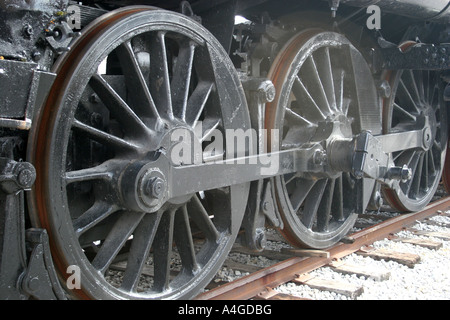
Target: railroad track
(296, 265)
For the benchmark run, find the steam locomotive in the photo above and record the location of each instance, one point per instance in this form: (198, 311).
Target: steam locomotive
(140, 139)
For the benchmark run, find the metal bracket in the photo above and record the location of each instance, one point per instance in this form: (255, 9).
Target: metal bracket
(261, 204)
(418, 57)
(17, 109)
(334, 5)
(16, 176)
(22, 277)
(261, 207)
(186, 9)
(447, 93)
(40, 280)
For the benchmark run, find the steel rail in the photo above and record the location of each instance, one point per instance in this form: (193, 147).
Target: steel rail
(282, 272)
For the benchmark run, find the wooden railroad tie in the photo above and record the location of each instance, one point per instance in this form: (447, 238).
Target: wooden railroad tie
(433, 234)
(360, 271)
(344, 288)
(270, 294)
(306, 253)
(408, 259)
(425, 243)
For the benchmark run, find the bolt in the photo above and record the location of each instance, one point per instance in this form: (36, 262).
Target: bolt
(36, 55)
(320, 157)
(26, 178)
(28, 30)
(427, 137)
(400, 173)
(96, 120)
(32, 284)
(267, 91)
(155, 188)
(385, 89)
(94, 98)
(379, 201)
(260, 239)
(359, 174)
(406, 173)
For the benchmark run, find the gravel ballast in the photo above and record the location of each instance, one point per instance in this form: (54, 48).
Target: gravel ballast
(427, 280)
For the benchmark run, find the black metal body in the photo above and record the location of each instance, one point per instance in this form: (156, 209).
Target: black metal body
(33, 34)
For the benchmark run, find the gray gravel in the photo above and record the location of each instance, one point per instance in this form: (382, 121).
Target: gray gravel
(429, 279)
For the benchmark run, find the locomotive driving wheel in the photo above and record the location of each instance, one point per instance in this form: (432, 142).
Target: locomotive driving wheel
(325, 92)
(134, 77)
(416, 98)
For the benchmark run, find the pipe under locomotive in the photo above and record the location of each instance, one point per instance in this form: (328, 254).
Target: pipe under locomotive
(143, 138)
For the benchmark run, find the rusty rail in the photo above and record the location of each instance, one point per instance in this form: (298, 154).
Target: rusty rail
(282, 272)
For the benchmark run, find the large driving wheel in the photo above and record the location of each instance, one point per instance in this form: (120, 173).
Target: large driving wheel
(321, 79)
(134, 77)
(417, 99)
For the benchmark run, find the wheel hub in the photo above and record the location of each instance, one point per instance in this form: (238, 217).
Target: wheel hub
(143, 187)
(332, 134)
(430, 130)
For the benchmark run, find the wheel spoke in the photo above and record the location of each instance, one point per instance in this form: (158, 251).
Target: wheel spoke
(412, 163)
(406, 93)
(411, 81)
(296, 118)
(104, 138)
(304, 186)
(414, 189)
(116, 239)
(120, 110)
(137, 85)
(312, 203)
(403, 112)
(197, 102)
(208, 127)
(184, 241)
(140, 249)
(160, 86)
(162, 251)
(101, 172)
(425, 172)
(200, 216)
(324, 210)
(325, 71)
(94, 215)
(182, 80)
(313, 82)
(302, 94)
(338, 200)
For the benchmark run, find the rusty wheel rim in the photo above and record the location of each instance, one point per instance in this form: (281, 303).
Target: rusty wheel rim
(91, 221)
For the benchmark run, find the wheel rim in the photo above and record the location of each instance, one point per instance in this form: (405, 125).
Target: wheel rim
(416, 96)
(95, 138)
(316, 84)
